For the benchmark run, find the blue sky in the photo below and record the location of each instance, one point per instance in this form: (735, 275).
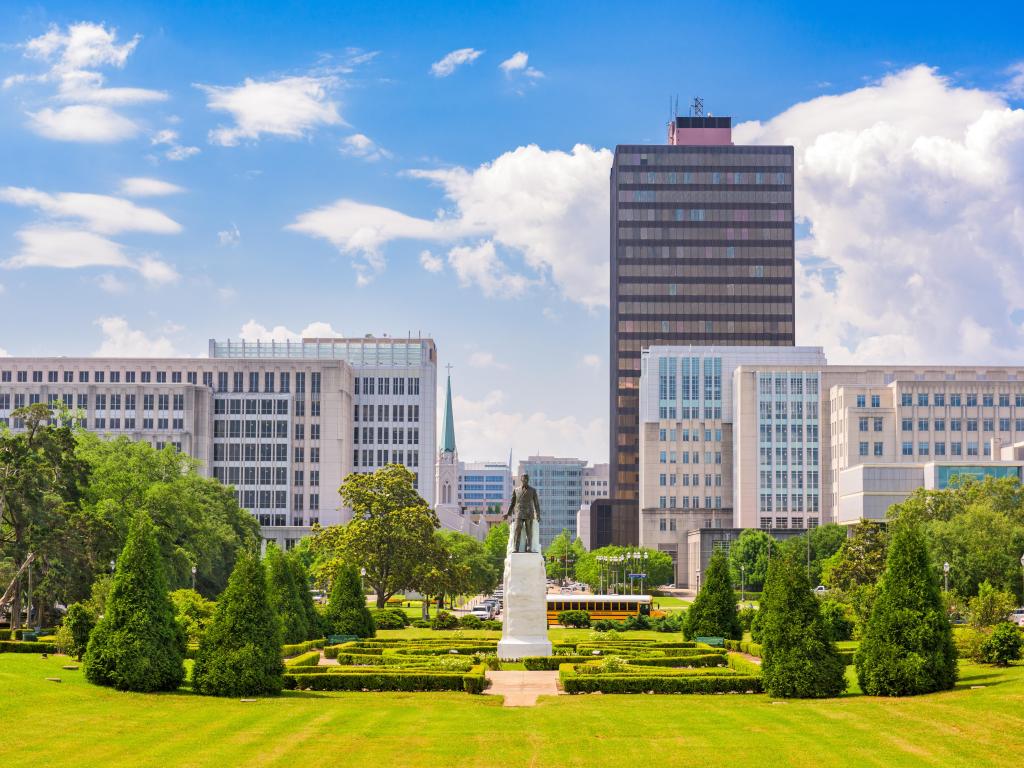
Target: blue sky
(360, 183)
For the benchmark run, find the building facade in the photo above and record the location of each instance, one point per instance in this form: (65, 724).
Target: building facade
(688, 438)
(559, 485)
(701, 253)
(485, 487)
(283, 423)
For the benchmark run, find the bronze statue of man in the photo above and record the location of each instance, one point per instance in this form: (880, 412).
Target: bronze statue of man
(526, 507)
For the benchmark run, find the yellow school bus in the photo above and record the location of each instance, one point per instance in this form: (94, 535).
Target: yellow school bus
(615, 607)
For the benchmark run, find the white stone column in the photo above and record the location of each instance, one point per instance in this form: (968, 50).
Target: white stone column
(525, 628)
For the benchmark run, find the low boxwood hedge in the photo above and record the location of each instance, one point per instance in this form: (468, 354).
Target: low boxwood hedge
(5, 634)
(26, 646)
(754, 649)
(694, 660)
(701, 681)
(309, 659)
(296, 648)
(352, 679)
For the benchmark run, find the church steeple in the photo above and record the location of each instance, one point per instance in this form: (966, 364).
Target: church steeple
(448, 433)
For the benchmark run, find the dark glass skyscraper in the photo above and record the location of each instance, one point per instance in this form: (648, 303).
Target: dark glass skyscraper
(701, 253)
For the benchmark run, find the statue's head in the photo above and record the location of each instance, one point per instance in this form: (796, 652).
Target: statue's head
(525, 479)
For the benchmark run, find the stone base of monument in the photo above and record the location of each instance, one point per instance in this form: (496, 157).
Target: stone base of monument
(525, 627)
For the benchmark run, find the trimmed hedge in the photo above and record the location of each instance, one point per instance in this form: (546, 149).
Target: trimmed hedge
(573, 683)
(552, 663)
(310, 659)
(26, 646)
(473, 681)
(5, 634)
(294, 649)
(754, 649)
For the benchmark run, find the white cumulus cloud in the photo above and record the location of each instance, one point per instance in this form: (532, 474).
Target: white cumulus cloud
(487, 428)
(75, 56)
(452, 61)
(291, 107)
(519, 63)
(83, 122)
(362, 146)
(120, 340)
(548, 208)
(141, 186)
(103, 214)
(254, 331)
(430, 262)
(913, 190)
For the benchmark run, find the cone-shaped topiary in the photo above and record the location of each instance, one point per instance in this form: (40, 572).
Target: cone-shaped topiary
(713, 613)
(347, 613)
(240, 655)
(137, 645)
(284, 596)
(907, 646)
(301, 577)
(798, 656)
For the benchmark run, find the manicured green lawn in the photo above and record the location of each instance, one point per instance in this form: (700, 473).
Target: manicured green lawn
(74, 723)
(671, 603)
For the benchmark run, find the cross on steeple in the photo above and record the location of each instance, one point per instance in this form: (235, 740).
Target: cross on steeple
(449, 367)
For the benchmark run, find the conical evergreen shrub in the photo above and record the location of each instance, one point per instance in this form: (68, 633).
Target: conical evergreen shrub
(799, 658)
(347, 613)
(713, 613)
(284, 598)
(301, 577)
(240, 655)
(907, 645)
(137, 645)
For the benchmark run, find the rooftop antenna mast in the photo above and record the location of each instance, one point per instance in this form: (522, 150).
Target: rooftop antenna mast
(697, 109)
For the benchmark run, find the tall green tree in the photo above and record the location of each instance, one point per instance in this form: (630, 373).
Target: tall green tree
(799, 656)
(283, 593)
(749, 556)
(198, 519)
(975, 526)
(193, 612)
(481, 577)
(561, 556)
(391, 527)
(240, 654)
(713, 612)
(496, 547)
(301, 577)
(347, 613)
(40, 484)
(907, 644)
(855, 568)
(137, 645)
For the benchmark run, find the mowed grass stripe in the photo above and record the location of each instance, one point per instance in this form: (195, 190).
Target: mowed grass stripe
(73, 723)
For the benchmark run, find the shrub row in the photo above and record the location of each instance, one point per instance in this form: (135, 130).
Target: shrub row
(351, 679)
(754, 649)
(696, 660)
(297, 648)
(744, 666)
(26, 646)
(572, 682)
(744, 646)
(309, 659)
(5, 634)
(440, 650)
(422, 662)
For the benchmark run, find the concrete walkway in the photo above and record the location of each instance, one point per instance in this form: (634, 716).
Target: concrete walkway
(521, 688)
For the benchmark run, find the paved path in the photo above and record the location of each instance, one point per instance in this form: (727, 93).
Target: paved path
(521, 688)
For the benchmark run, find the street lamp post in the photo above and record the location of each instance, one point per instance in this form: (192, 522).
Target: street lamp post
(1022, 576)
(743, 582)
(193, 578)
(945, 576)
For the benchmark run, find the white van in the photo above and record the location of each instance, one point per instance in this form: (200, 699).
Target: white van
(1017, 616)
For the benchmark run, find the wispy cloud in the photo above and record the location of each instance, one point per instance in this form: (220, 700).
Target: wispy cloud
(518, 63)
(362, 146)
(452, 61)
(290, 107)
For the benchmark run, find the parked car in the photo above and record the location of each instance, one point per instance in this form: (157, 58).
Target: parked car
(482, 612)
(1017, 616)
(821, 589)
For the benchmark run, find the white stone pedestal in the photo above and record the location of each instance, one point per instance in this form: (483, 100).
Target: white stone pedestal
(525, 629)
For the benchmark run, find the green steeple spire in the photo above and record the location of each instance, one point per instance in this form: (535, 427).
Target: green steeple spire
(448, 441)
